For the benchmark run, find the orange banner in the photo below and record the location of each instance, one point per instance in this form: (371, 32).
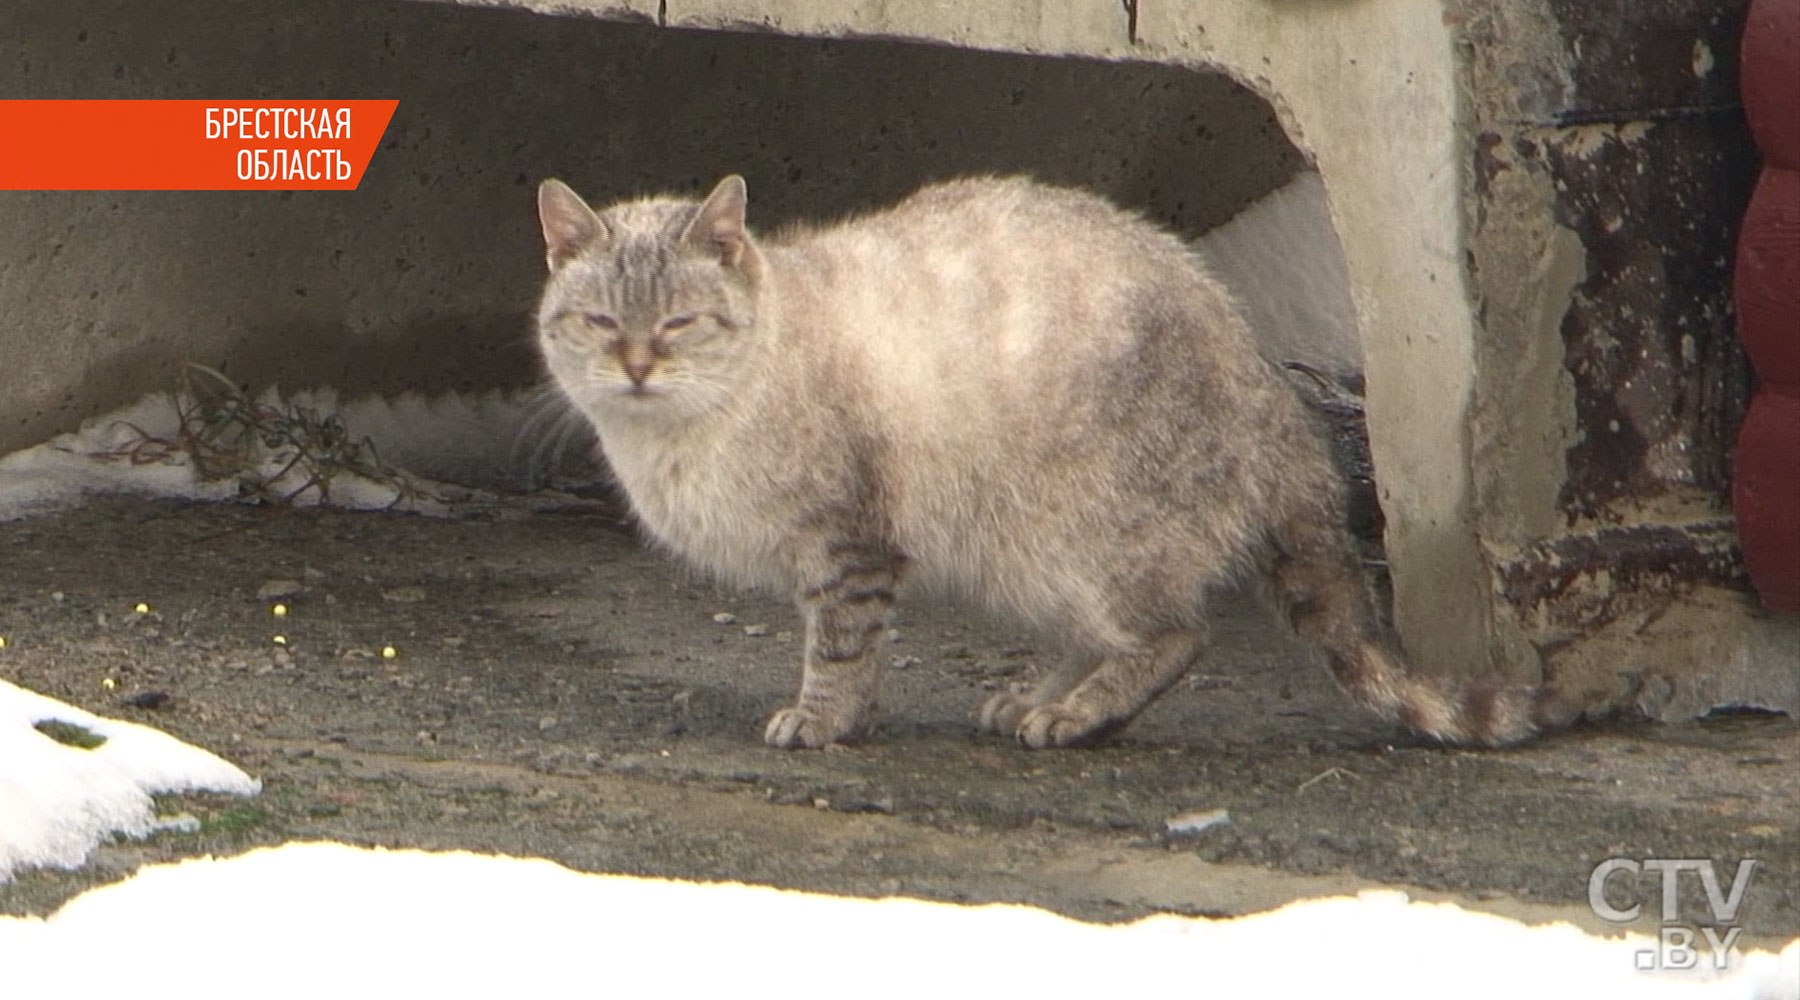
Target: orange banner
(188, 145)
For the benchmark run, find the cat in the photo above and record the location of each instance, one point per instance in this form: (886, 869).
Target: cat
(1012, 393)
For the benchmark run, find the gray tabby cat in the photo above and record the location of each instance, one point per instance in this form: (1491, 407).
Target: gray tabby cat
(1009, 392)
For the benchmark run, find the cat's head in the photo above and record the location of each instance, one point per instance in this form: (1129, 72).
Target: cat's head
(650, 308)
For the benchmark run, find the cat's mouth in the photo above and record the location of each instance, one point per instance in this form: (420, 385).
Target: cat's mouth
(642, 390)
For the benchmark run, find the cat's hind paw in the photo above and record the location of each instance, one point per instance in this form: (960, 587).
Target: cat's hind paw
(801, 728)
(1002, 713)
(1057, 725)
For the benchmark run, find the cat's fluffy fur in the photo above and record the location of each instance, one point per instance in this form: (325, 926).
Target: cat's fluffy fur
(1015, 393)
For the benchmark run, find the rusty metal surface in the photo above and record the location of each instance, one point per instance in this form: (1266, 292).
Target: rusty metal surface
(1655, 187)
(1641, 53)
(1585, 580)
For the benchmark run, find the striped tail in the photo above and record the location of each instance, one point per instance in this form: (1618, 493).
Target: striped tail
(1320, 585)
(1476, 712)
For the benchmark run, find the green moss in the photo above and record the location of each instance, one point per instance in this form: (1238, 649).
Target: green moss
(237, 819)
(70, 734)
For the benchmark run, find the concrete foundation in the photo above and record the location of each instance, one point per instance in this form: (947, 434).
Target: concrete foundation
(1529, 204)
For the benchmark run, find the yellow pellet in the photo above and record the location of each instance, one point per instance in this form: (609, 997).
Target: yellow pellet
(389, 652)
(142, 608)
(279, 640)
(279, 611)
(108, 683)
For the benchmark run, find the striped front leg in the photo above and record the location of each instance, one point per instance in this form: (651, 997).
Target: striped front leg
(846, 619)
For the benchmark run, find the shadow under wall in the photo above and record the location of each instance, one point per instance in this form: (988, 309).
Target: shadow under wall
(423, 279)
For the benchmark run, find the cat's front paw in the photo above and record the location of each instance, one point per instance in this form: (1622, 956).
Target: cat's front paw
(1058, 725)
(801, 728)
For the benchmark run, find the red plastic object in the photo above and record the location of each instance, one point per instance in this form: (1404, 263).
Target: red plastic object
(1766, 287)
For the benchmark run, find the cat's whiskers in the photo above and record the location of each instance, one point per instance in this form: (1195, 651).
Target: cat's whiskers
(682, 390)
(543, 438)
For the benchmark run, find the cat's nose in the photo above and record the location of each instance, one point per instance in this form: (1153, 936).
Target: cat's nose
(637, 371)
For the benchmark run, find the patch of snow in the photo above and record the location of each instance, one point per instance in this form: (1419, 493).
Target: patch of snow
(137, 450)
(496, 440)
(61, 471)
(58, 802)
(292, 919)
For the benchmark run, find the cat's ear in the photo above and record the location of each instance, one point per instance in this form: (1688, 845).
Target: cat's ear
(718, 228)
(570, 226)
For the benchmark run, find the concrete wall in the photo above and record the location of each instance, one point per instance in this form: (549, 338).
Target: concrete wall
(1484, 253)
(423, 278)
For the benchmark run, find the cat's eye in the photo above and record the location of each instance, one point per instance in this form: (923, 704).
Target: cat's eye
(675, 324)
(600, 320)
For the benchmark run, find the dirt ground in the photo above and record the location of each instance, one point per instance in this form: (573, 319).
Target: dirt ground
(559, 691)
